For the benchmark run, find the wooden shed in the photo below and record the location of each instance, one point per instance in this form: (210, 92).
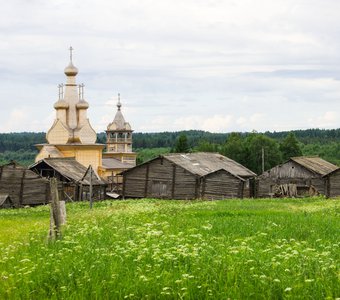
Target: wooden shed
(188, 176)
(333, 183)
(299, 176)
(73, 177)
(6, 201)
(23, 186)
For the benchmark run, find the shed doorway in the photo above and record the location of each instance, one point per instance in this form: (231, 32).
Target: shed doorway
(159, 189)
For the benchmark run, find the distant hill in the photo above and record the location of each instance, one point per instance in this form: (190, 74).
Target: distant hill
(324, 142)
(26, 140)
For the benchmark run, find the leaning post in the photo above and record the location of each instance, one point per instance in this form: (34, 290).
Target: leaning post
(55, 214)
(91, 200)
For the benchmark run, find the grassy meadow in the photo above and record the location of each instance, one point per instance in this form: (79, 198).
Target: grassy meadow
(154, 249)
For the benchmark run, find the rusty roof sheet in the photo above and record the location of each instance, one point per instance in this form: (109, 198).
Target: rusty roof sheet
(315, 164)
(203, 163)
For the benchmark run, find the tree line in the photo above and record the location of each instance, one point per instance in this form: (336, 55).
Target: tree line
(256, 151)
(245, 148)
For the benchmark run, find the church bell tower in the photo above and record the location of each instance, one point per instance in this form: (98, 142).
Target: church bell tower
(119, 139)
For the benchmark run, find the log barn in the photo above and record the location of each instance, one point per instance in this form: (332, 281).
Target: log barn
(298, 177)
(188, 176)
(74, 178)
(23, 186)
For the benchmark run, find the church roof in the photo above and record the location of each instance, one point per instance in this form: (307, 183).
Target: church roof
(71, 123)
(119, 122)
(71, 70)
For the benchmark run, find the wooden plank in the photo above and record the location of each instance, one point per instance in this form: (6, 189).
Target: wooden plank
(22, 188)
(146, 180)
(197, 185)
(204, 185)
(242, 189)
(173, 181)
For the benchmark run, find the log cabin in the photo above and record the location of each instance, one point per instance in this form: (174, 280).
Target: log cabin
(189, 176)
(74, 178)
(298, 177)
(23, 186)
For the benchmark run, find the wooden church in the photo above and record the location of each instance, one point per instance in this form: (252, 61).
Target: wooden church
(72, 136)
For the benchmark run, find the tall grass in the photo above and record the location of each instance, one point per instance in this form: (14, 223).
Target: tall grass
(151, 249)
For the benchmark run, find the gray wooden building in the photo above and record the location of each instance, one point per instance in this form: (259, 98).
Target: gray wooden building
(300, 176)
(189, 176)
(22, 186)
(74, 178)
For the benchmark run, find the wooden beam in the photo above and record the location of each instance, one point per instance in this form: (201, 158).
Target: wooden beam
(242, 189)
(21, 195)
(146, 181)
(55, 221)
(123, 188)
(173, 181)
(47, 191)
(203, 186)
(197, 184)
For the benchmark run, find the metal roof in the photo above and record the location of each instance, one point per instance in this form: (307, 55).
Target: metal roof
(203, 163)
(315, 164)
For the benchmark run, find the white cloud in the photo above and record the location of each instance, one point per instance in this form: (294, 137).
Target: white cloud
(219, 65)
(327, 120)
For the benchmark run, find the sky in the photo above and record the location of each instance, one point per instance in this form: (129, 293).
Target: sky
(214, 65)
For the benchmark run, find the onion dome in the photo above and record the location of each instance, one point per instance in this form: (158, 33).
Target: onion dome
(71, 70)
(61, 104)
(82, 104)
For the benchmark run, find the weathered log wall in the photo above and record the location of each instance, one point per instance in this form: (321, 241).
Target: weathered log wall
(161, 178)
(333, 184)
(222, 185)
(289, 173)
(23, 186)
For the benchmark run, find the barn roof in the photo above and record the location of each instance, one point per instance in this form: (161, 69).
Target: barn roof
(203, 163)
(70, 169)
(315, 164)
(112, 163)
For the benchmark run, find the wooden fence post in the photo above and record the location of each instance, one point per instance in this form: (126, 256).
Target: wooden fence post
(57, 211)
(91, 192)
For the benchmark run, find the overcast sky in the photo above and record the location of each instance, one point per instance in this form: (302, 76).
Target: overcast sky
(215, 65)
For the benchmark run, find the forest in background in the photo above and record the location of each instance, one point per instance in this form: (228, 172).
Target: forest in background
(245, 148)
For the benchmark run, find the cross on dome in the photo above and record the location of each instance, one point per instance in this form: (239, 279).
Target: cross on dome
(119, 104)
(71, 49)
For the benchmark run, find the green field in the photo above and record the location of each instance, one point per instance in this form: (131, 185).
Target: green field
(154, 249)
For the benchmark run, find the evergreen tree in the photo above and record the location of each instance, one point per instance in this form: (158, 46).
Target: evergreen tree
(234, 148)
(206, 146)
(182, 145)
(290, 147)
(254, 144)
